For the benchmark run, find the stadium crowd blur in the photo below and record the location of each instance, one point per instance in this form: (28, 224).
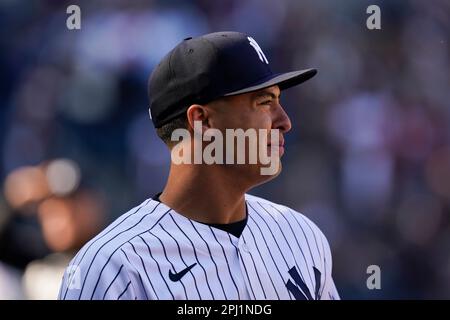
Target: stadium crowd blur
(368, 158)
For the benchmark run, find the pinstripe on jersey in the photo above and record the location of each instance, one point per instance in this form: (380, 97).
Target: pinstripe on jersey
(281, 254)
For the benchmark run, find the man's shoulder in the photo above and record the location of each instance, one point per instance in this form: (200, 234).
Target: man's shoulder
(104, 254)
(281, 214)
(259, 204)
(124, 229)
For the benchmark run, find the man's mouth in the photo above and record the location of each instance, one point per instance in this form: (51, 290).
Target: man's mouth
(280, 146)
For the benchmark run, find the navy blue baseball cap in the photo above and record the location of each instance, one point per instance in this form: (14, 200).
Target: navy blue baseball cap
(202, 69)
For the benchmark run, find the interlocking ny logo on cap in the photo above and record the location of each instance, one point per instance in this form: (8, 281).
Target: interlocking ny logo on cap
(258, 50)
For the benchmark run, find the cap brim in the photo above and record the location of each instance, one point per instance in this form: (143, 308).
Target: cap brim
(283, 80)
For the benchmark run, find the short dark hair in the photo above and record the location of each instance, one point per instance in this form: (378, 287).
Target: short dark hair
(165, 131)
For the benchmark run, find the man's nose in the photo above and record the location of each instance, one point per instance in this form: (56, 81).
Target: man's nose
(281, 120)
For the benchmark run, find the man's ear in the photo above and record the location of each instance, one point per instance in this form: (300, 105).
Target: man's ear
(197, 112)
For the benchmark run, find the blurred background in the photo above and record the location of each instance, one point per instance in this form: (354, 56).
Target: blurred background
(368, 158)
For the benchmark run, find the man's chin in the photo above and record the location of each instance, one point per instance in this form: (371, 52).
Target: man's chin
(264, 176)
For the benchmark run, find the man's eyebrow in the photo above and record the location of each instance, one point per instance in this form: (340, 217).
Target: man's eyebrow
(267, 94)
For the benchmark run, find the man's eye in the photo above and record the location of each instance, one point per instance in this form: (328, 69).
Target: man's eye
(266, 102)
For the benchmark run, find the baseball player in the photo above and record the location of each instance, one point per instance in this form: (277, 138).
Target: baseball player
(204, 236)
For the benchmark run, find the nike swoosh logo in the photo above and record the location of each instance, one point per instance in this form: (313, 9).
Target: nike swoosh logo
(177, 276)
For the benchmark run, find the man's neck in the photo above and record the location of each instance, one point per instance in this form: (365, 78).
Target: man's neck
(205, 194)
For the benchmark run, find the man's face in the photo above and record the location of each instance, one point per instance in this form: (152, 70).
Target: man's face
(256, 110)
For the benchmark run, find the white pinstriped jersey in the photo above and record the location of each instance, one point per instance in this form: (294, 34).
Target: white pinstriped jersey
(153, 252)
